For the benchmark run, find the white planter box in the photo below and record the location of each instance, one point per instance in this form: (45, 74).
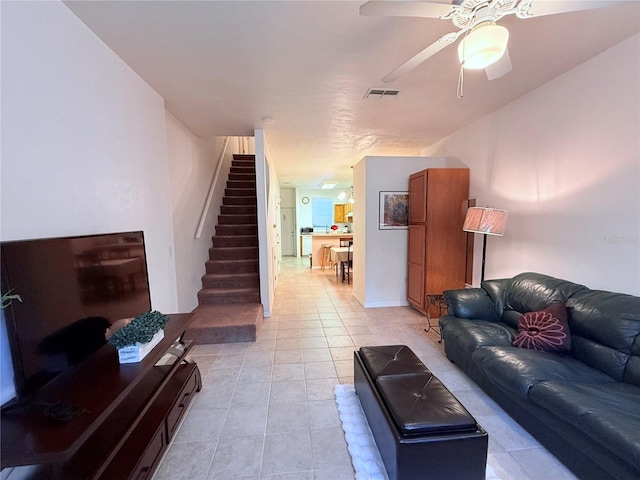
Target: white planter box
(135, 353)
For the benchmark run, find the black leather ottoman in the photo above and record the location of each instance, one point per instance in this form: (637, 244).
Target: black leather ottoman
(421, 429)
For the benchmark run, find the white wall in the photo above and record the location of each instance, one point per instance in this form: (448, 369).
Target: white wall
(268, 208)
(564, 160)
(84, 146)
(192, 165)
(288, 198)
(384, 282)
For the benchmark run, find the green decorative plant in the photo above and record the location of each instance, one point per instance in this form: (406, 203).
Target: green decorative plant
(140, 330)
(9, 297)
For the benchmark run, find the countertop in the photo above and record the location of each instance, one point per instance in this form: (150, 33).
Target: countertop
(332, 235)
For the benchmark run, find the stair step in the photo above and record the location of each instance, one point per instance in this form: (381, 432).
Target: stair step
(240, 192)
(219, 296)
(235, 240)
(225, 323)
(237, 229)
(243, 163)
(244, 156)
(239, 200)
(244, 159)
(230, 280)
(243, 170)
(231, 266)
(241, 184)
(238, 209)
(247, 177)
(237, 219)
(233, 253)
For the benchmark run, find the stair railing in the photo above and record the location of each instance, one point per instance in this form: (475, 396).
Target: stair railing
(214, 181)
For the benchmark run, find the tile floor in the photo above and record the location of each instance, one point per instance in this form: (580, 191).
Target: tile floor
(266, 409)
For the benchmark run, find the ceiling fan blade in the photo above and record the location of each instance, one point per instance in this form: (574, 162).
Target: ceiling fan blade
(499, 68)
(406, 9)
(538, 8)
(420, 57)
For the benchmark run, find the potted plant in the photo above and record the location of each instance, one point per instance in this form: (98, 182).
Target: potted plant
(136, 339)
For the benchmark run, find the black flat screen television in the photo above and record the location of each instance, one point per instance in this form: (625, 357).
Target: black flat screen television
(72, 290)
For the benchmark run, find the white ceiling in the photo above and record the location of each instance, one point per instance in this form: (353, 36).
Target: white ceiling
(223, 66)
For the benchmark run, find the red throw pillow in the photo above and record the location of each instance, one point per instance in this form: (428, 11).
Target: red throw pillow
(546, 329)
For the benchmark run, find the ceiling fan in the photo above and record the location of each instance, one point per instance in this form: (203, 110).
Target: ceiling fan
(484, 43)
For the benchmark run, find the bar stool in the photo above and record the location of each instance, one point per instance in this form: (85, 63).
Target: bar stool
(326, 255)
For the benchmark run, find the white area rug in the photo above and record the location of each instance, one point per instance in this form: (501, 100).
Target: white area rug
(362, 447)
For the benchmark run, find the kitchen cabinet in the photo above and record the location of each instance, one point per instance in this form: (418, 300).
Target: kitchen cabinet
(340, 211)
(436, 256)
(348, 212)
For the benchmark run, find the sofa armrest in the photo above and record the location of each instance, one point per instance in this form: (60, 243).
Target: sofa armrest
(471, 303)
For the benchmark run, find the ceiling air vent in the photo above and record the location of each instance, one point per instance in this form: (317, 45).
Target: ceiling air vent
(380, 93)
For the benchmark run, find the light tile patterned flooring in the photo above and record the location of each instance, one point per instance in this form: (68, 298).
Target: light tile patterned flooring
(266, 409)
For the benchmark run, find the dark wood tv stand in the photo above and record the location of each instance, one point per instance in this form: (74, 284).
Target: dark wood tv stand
(126, 415)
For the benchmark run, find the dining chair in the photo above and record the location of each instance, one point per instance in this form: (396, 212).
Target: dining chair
(347, 267)
(344, 241)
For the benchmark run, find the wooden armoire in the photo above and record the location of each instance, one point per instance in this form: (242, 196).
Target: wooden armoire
(437, 244)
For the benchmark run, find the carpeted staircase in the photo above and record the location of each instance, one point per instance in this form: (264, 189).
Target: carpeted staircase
(229, 308)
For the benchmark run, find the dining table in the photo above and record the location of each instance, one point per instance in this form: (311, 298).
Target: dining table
(338, 255)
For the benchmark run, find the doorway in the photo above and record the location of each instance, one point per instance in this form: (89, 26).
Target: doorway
(287, 224)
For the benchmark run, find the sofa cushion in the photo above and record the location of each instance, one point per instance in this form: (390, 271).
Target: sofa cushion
(609, 414)
(606, 328)
(472, 303)
(544, 330)
(471, 334)
(599, 356)
(496, 288)
(612, 319)
(518, 369)
(511, 318)
(632, 371)
(528, 292)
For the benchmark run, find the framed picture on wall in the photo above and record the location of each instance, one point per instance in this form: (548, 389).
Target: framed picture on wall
(394, 210)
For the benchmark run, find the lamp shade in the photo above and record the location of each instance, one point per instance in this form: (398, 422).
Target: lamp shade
(484, 45)
(490, 221)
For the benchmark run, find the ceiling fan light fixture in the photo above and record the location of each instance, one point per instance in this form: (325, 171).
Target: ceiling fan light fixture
(484, 45)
